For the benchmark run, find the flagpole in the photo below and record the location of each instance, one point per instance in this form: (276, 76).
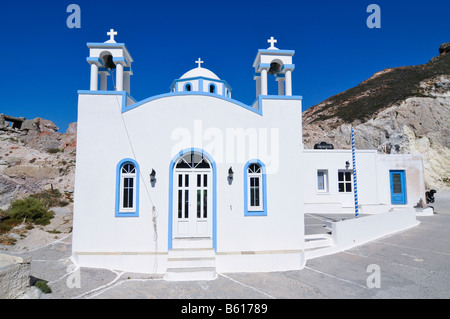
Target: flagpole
(355, 184)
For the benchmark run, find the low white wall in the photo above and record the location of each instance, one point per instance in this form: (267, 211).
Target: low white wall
(353, 232)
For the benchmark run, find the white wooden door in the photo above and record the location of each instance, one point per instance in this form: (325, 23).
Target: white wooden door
(192, 203)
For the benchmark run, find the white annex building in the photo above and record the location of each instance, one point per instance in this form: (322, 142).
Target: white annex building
(191, 183)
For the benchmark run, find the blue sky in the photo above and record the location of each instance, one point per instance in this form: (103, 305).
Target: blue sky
(44, 62)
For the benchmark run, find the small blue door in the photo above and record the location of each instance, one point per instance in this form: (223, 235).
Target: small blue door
(398, 187)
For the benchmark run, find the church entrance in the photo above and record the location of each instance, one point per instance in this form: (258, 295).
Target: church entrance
(192, 197)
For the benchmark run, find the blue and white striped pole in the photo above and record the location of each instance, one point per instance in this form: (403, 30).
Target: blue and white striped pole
(355, 184)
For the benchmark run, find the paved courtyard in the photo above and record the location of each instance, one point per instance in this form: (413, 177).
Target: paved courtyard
(410, 264)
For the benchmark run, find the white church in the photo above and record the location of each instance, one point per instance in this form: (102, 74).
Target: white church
(191, 183)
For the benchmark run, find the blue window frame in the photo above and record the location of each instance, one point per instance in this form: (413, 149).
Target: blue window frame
(255, 189)
(398, 187)
(127, 188)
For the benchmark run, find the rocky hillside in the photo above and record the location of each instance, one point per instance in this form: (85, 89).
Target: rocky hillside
(34, 157)
(402, 110)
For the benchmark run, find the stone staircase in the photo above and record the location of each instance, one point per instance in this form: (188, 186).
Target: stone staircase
(191, 259)
(318, 245)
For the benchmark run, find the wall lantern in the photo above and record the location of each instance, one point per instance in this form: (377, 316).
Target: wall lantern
(153, 176)
(230, 174)
(347, 165)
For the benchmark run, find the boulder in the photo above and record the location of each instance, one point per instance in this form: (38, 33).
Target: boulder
(444, 48)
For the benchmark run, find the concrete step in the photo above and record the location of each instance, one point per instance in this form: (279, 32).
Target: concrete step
(192, 253)
(191, 259)
(318, 241)
(191, 262)
(201, 242)
(190, 274)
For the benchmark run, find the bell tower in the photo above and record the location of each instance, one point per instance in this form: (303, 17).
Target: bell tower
(106, 59)
(274, 61)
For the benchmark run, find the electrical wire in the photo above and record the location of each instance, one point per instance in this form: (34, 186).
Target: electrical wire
(154, 211)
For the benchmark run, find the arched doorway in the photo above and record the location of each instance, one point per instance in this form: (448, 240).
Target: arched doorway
(192, 211)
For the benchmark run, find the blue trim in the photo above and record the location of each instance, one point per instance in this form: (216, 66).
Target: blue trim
(106, 45)
(120, 60)
(277, 52)
(262, 212)
(200, 78)
(200, 85)
(214, 186)
(263, 66)
(279, 97)
(97, 61)
(288, 67)
(259, 99)
(399, 198)
(119, 166)
(104, 70)
(126, 108)
(172, 94)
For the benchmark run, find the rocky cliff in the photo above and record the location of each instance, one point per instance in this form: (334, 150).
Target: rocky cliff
(402, 110)
(34, 157)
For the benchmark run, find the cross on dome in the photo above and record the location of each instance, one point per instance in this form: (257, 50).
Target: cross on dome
(111, 33)
(199, 62)
(272, 41)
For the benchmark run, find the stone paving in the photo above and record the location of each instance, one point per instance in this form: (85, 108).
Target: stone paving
(410, 264)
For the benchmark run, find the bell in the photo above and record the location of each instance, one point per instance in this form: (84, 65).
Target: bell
(109, 64)
(275, 68)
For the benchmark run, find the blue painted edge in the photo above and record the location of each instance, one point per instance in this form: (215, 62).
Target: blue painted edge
(106, 45)
(402, 173)
(247, 107)
(275, 52)
(289, 67)
(119, 166)
(126, 108)
(91, 60)
(171, 170)
(264, 190)
(200, 78)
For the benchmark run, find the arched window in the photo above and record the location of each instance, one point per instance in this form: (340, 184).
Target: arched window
(255, 189)
(127, 192)
(193, 160)
(212, 88)
(188, 87)
(128, 179)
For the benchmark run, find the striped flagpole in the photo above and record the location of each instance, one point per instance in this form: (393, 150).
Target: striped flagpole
(355, 184)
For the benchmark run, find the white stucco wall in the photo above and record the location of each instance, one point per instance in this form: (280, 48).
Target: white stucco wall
(158, 130)
(373, 180)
